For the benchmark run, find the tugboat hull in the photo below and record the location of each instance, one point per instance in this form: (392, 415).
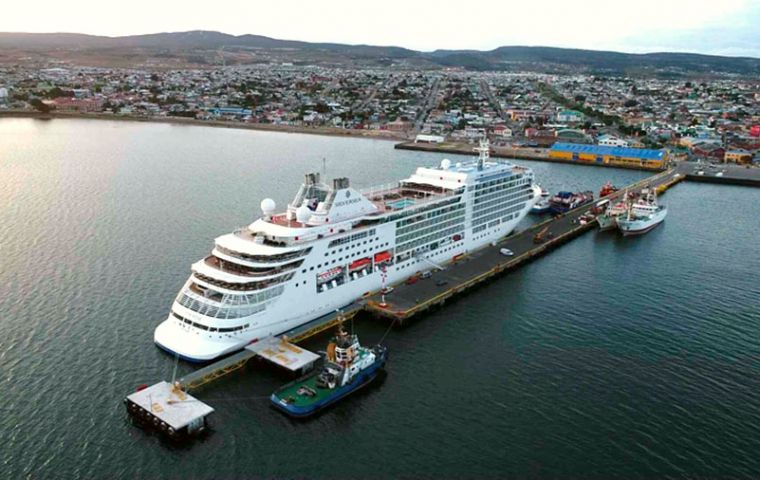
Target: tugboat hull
(284, 401)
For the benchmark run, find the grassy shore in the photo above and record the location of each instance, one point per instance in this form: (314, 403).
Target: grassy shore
(338, 132)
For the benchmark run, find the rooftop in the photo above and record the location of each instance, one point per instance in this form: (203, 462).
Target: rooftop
(173, 406)
(643, 153)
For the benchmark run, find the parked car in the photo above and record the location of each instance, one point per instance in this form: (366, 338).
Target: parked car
(426, 274)
(441, 283)
(506, 252)
(386, 290)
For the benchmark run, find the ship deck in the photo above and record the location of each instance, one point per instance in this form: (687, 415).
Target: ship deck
(290, 392)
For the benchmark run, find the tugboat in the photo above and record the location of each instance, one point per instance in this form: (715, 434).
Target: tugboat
(563, 202)
(348, 367)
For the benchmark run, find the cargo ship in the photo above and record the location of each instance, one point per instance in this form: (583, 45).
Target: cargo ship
(347, 368)
(563, 202)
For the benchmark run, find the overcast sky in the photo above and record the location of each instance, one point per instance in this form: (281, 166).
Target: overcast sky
(723, 27)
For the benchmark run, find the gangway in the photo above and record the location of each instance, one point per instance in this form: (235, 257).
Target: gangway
(220, 368)
(425, 259)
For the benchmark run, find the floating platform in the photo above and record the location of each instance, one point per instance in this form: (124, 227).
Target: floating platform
(166, 408)
(282, 353)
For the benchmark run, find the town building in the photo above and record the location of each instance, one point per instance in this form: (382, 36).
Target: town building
(606, 155)
(740, 157)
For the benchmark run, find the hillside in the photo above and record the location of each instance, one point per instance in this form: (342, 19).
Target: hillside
(207, 48)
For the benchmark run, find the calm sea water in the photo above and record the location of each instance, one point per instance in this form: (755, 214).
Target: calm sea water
(610, 357)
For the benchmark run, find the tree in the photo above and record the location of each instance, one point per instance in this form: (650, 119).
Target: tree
(39, 105)
(630, 103)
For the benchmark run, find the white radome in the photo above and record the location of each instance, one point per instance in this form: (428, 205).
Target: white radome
(445, 164)
(268, 207)
(302, 214)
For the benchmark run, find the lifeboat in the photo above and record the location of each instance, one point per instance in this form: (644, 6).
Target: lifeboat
(359, 264)
(328, 275)
(382, 257)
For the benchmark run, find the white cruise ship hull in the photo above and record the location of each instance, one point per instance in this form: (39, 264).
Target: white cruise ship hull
(298, 307)
(334, 245)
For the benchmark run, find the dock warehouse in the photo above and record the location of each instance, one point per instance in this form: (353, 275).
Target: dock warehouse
(608, 155)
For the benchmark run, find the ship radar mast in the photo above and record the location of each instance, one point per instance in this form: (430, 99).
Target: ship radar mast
(484, 152)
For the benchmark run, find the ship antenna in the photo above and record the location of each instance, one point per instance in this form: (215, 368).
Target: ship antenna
(324, 169)
(484, 151)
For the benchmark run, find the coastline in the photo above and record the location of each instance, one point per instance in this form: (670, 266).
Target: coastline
(329, 131)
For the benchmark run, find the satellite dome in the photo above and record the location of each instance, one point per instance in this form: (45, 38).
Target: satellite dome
(459, 164)
(268, 206)
(445, 164)
(302, 214)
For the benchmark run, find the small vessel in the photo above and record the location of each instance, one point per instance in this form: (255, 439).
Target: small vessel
(608, 219)
(541, 207)
(642, 216)
(565, 201)
(348, 367)
(607, 189)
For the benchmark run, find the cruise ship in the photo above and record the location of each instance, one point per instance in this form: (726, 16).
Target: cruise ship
(333, 244)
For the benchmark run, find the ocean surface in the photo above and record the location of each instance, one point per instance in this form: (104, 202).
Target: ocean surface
(607, 358)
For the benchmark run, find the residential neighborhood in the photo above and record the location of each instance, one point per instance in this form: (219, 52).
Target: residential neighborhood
(710, 118)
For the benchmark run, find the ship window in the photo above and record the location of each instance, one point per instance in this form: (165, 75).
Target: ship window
(312, 268)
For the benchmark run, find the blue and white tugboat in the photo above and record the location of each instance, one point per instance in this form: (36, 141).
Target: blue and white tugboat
(348, 367)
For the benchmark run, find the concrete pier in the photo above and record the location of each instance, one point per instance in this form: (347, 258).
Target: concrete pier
(408, 300)
(525, 153)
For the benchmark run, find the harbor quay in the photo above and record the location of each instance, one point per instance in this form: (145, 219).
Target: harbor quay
(598, 156)
(724, 174)
(411, 299)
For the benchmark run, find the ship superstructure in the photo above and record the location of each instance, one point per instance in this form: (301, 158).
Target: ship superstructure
(333, 244)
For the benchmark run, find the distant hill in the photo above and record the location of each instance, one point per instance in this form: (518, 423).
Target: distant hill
(207, 48)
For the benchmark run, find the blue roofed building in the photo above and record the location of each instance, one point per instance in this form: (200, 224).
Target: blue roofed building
(609, 155)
